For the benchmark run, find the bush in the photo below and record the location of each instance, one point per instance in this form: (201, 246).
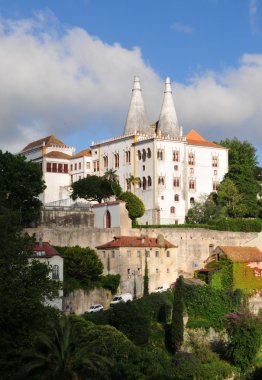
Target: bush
(110, 282)
(134, 205)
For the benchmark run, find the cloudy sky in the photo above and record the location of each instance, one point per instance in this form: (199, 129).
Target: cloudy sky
(67, 67)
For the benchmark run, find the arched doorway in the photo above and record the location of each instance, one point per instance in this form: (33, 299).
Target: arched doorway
(108, 220)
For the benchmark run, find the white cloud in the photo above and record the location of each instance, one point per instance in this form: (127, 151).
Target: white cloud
(60, 81)
(182, 28)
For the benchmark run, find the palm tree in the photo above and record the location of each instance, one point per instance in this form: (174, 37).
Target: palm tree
(60, 356)
(131, 180)
(111, 175)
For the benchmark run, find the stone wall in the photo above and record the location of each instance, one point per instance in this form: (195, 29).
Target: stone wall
(194, 244)
(80, 300)
(66, 217)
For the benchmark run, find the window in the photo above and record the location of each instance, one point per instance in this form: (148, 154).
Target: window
(128, 157)
(144, 183)
(79, 165)
(148, 153)
(60, 168)
(144, 168)
(48, 166)
(160, 154)
(143, 155)
(65, 168)
(172, 210)
(55, 272)
(75, 166)
(88, 165)
(215, 172)
(54, 168)
(139, 156)
(105, 162)
(162, 197)
(167, 253)
(215, 185)
(176, 182)
(116, 158)
(191, 158)
(128, 271)
(192, 184)
(215, 161)
(191, 171)
(176, 197)
(71, 167)
(192, 201)
(157, 254)
(176, 167)
(176, 155)
(149, 181)
(161, 180)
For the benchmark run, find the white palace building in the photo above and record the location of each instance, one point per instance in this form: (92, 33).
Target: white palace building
(171, 170)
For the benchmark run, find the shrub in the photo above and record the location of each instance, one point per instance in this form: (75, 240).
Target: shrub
(110, 282)
(134, 205)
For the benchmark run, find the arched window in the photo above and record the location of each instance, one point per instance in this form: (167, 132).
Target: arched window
(55, 272)
(108, 220)
(149, 181)
(105, 162)
(139, 156)
(143, 155)
(148, 153)
(176, 197)
(172, 210)
(192, 201)
(144, 183)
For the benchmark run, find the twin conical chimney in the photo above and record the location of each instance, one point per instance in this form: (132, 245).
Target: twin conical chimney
(136, 118)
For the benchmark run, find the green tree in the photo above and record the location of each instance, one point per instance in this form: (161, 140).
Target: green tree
(229, 200)
(132, 180)
(61, 354)
(146, 280)
(203, 211)
(243, 171)
(20, 185)
(82, 265)
(92, 188)
(25, 287)
(244, 331)
(177, 327)
(111, 175)
(134, 205)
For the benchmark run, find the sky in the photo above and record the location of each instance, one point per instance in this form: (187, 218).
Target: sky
(67, 67)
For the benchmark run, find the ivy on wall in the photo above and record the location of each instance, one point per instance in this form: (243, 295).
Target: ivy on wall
(244, 278)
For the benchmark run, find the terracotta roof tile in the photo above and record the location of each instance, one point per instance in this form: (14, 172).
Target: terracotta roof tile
(48, 141)
(193, 138)
(85, 152)
(134, 241)
(55, 154)
(241, 254)
(44, 247)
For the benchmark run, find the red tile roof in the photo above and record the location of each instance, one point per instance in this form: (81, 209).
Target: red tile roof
(56, 154)
(134, 241)
(85, 152)
(48, 141)
(241, 254)
(193, 138)
(45, 247)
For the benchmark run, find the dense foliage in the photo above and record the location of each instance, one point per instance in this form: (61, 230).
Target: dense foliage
(20, 184)
(94, 188)
(245, 332)
(24, 287)
(134, 205)
(177, 325)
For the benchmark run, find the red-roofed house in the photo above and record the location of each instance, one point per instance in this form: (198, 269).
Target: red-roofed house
(45, 253)
(127, 255)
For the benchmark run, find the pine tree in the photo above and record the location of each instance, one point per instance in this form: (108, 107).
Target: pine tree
(146, 280)
(177, 327)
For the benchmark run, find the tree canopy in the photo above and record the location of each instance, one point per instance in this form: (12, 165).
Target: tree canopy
(94, 188)
(134, 205)
(20, 185)
(243, 172)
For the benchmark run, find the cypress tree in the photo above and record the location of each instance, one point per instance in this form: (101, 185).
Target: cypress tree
(146, 280)
(177, 327)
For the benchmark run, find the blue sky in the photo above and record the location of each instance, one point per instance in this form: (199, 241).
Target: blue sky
(67, 67)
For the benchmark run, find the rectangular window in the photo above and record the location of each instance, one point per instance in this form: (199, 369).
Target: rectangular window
(65, 168)
(71, 167)
(48, 166)
(157, 254)
(60, 168)
(75, 166)
(215, 161)
(167, 253)
(192, 185)
(88, 165)
(79, 165)
(191, 158)
(176, 155)
(176, 182)
(54, 168)
(161, 180)
(160, 154)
